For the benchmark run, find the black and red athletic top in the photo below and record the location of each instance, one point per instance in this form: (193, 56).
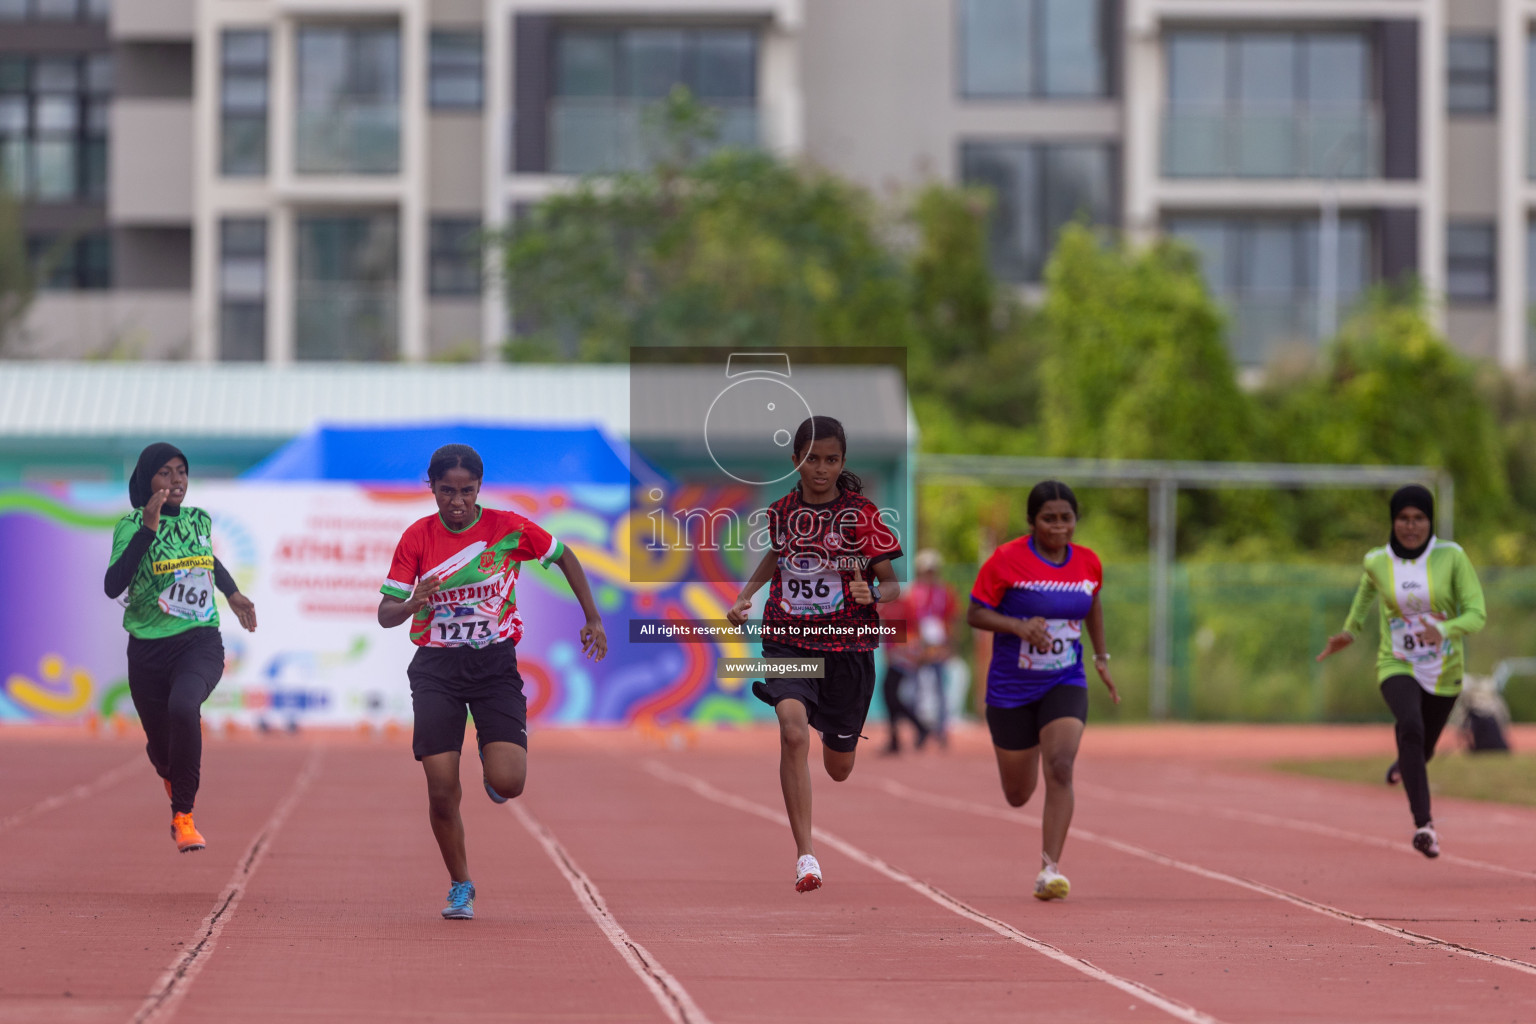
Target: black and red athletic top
(819, 547)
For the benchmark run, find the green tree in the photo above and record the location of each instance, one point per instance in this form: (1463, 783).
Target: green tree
(18, 277)
(734, 247)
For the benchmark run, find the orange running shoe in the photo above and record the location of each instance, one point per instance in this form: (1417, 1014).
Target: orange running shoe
(187, 837)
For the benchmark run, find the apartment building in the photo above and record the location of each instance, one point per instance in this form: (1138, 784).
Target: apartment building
(298, 180)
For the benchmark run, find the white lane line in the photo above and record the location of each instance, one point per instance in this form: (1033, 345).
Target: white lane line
(1170, 1006)
(673, 999)
(1297, 824)
(172, 987)
(86, 789)
(903, 792)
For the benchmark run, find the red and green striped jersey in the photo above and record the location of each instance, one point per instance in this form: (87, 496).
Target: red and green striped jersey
(478, 567)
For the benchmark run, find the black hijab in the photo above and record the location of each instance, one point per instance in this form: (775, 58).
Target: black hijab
(1412, 496)
(151, 459)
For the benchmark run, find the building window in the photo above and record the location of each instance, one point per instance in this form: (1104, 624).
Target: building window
(1038, 189)
(348, 118)
(347, 292)
(1471, 75)
(1270, 105)
(605, 79)
(1013, 49)
(1266, 271)
(1470, 265)
(454, 260)
(53, 10)
(458, 71)
(53, 126)
(72, 264)
(243, 289)
(243, 103)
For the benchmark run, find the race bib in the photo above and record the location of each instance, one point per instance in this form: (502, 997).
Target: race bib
(1062, 645)
(1406, 643)
(190, 595)
(807, 591)
(463, 626)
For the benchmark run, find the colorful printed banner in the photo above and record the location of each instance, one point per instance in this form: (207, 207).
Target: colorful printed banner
(312, 556)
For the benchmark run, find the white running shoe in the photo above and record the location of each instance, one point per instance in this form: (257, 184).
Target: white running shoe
(807, 874)
(1426, 841)
(1051, 884)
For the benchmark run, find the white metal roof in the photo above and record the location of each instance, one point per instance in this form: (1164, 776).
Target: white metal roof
(239, 400)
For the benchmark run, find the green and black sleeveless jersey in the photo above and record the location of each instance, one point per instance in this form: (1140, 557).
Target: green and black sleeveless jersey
(172, 588)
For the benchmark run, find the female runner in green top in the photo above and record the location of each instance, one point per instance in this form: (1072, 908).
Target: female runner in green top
(1430, 600)
(164, 574)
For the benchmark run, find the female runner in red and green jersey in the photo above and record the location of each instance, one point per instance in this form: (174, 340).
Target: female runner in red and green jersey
(453, 577)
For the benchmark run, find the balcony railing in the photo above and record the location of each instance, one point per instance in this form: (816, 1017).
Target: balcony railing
(1280, 144)
(601, 136)
(341, 321)
(358, 138)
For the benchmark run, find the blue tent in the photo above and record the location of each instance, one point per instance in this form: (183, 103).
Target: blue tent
(523, 455)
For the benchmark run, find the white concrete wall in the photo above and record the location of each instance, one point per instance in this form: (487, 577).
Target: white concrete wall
(151, 162)
(108, 324)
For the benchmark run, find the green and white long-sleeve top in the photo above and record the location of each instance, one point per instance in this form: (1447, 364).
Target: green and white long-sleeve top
(1440, 586)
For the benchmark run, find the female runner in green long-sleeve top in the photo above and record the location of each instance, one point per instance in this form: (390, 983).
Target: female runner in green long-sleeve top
(1430, 600)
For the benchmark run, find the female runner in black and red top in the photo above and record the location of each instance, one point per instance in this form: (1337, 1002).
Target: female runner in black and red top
(827, 538)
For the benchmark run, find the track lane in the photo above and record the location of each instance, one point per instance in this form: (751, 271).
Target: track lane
(708, 889)
(1231, 953)
(342, 923)
(94, 898)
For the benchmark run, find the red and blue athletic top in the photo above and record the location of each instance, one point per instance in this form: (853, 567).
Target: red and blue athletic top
(819, 547)
(477, 570)
(1017, 582)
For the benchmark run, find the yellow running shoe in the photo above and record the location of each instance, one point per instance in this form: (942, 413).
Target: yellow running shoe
(187, 837)
(1051, 884)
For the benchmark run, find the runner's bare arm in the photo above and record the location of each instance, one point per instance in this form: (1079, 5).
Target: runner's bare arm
(594, 639)
(1095, 626)
(393, 611)
(762, 574)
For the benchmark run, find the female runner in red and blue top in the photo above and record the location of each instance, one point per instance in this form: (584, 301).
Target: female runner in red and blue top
(454, 576)
(830, 563)
(1037, 593)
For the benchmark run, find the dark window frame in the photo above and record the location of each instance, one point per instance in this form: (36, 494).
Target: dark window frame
(82, 264)
(441, 68)
(1104, 40)
(85, 11)
(1230, 100)
(239, 242)
(454, 257)
(1481, 263)
(690, 59)
(1037, 153)
(91, 95)
(1479, 75)
(236, 70)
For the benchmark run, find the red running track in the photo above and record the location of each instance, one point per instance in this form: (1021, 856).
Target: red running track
(634, 882)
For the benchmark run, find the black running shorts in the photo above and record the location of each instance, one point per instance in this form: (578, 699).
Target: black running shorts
(447, 682)
(837, 703)
(1019, 728)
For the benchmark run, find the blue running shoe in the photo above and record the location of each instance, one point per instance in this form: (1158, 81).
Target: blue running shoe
(461, 902)
(496, 798)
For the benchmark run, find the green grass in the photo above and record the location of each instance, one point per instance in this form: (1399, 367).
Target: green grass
(1503, 778)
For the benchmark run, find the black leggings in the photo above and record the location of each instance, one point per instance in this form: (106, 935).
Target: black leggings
(169, 678)
(896, 709)
(1420, 718)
